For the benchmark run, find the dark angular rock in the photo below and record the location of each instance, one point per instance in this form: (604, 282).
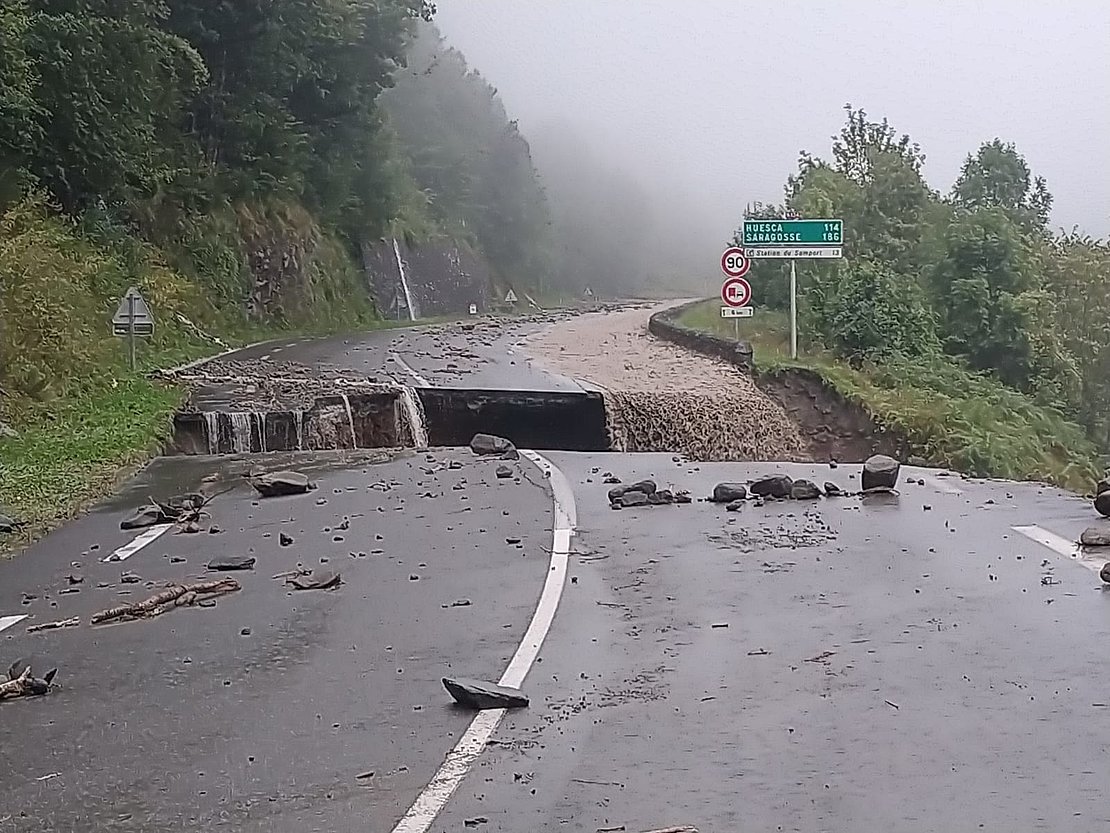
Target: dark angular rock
(634, 498)
(804, 490)
(728, 492)
(225, 563)
(504, 472)
(144, 516)
(1102, 504)
(777, 485)
(281, 483)
(1095, 536)
(646, 487)
(315, 581)
(735, 506)
(661, 498)
(880, 472)
(284, 539)
(1104, 573)
(476, 694)
(683, 497)
(832, 490)
(486, 445)
(8, 524)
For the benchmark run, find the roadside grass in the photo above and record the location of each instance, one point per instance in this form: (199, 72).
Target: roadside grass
(69, 455)
(950, 416)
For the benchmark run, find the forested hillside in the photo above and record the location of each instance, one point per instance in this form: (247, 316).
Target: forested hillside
(236, 160)
(233, 159)
(969, 294)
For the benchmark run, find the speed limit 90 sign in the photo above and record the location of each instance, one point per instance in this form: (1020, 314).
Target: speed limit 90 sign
(734, 263)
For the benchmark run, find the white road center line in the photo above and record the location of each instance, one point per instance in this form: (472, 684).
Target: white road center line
(1062, 546)
(7, 621)
(420, 380)
(147, 536)
(434, 797)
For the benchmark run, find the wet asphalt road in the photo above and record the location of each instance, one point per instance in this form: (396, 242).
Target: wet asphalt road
(875, 665)
(483, 355)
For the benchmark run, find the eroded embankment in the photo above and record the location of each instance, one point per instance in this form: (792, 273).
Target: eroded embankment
(831, 426)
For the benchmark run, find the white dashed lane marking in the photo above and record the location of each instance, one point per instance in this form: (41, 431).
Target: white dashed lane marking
(146, 537)
(7, 621)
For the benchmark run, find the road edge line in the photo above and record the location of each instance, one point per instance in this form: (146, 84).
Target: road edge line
(1070, 550)
(434, 797)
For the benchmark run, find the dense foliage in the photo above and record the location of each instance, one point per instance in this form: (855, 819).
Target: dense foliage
(974, 277)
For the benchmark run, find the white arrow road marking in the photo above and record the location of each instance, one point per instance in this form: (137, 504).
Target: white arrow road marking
(7, 621)
(147, 536)
(459, 760)
(1062, 546)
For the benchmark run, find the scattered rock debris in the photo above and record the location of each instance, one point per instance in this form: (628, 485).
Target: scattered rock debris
(476, 694)
(175, 595)
(282, 483)
(22, 683)
(504, 472)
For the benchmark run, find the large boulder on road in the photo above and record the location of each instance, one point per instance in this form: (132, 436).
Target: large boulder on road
(805, 490)
(728, 492)
(880, 472)
(488, 445)
(646, 487)
(1095, 536)
(1102, 504)
(777, 485)
(280, 483)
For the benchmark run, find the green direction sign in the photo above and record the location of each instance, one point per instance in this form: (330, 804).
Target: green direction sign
(763, 233)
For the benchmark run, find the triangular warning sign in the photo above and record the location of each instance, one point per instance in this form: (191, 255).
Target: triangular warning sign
(133, 312)
(510, 297)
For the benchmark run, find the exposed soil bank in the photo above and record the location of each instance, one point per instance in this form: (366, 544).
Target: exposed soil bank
(832, 426)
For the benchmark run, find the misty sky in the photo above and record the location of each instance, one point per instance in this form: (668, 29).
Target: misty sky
(708, 102)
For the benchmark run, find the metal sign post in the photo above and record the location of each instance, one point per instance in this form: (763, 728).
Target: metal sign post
(793, 239)
(793, 311)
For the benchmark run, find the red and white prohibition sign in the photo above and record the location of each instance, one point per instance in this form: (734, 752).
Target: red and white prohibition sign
(736, 292)
(733, 262)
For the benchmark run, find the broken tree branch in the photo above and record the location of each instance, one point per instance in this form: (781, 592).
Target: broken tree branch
(176, 595)
(61, 623)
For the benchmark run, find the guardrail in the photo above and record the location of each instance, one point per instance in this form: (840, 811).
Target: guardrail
(664, 324)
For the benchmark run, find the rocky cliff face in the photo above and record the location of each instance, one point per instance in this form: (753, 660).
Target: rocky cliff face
(443, 278)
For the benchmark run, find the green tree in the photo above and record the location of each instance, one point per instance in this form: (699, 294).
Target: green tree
(108, 85)
(991, 303)
(866, 311)
(997, 176)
